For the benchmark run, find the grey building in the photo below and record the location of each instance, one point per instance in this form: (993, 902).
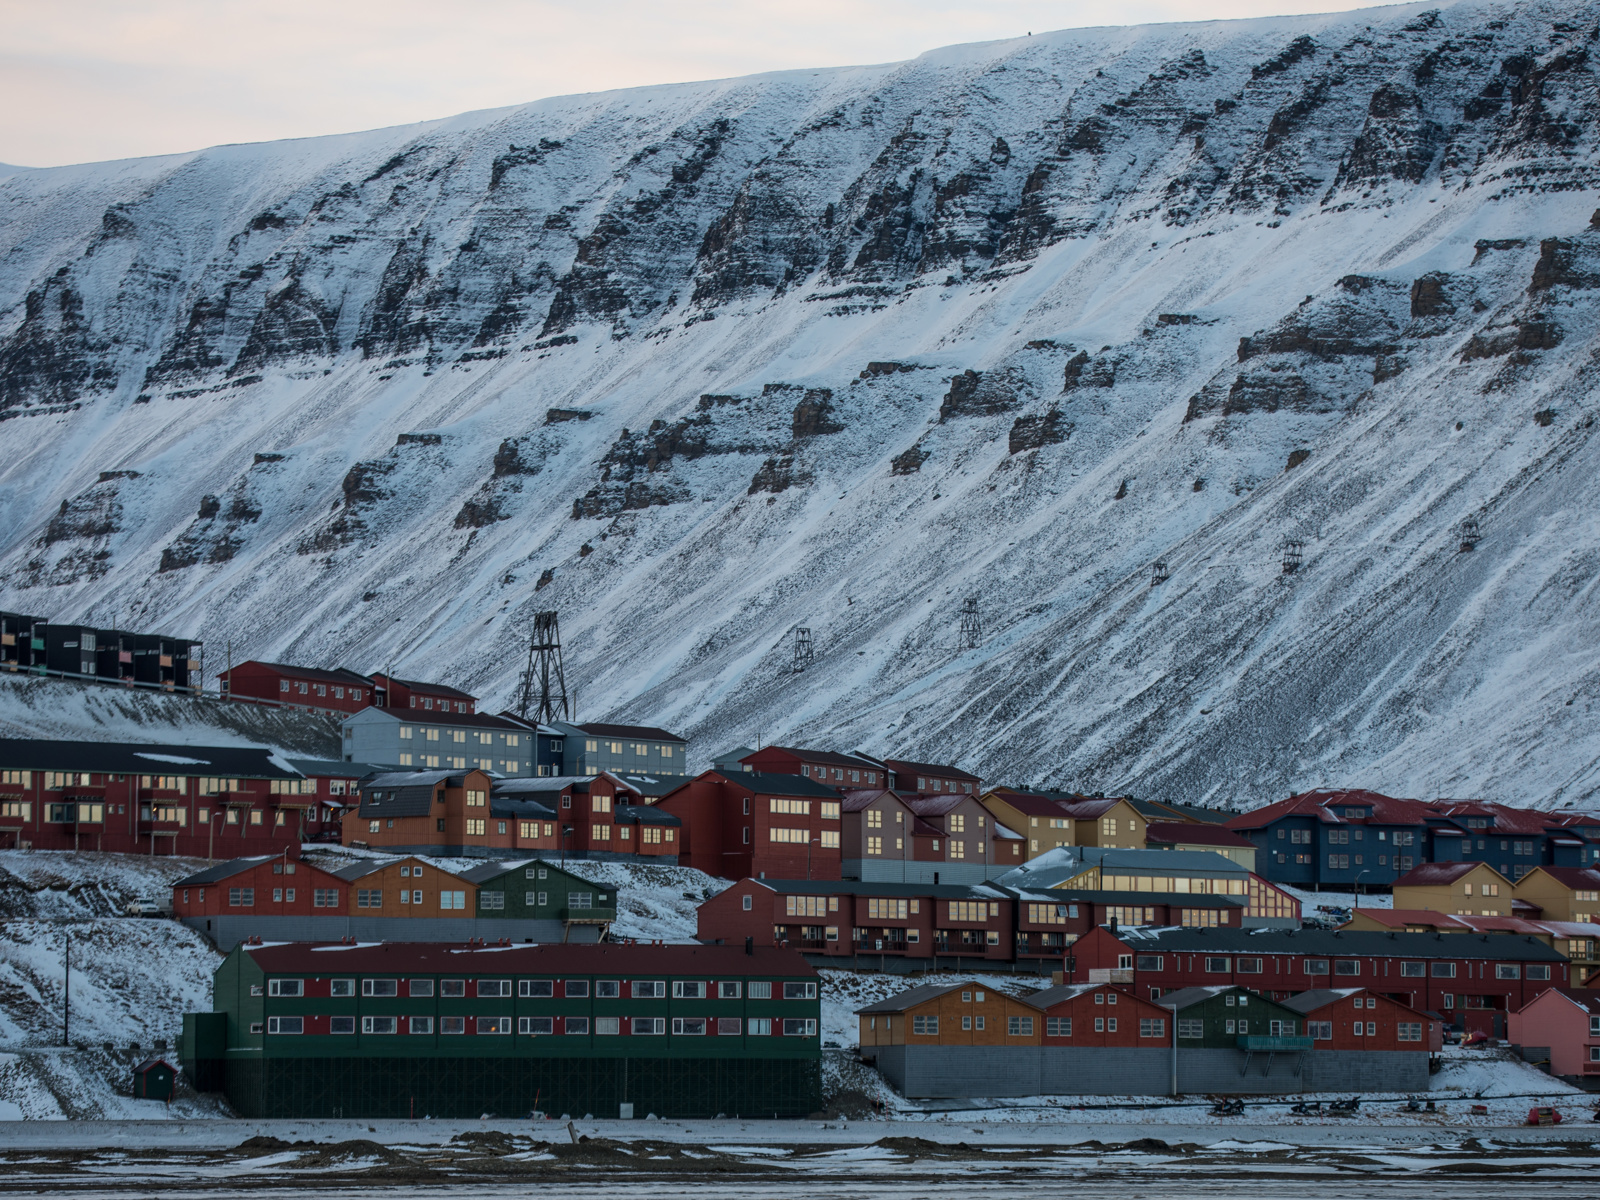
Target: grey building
(410, 738)
(621, 749)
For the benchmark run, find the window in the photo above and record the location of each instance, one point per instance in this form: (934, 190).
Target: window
(689, 1026)
(801, 1027)
(452, 1025)
(1411, 970)
(797, 991)
(286, 987)
(341, 1024)
(649, 989)
(651, 1026)
(1058, 1027)
(453, 900)
(366, 898)
(286, 1024)
(1409, 1031)
(1217, 966)
(494, 1025)
(241, 897)
(341, 987)
(760, 990)
(1248, 966)
(491, 989)
(453, 988)
(1099, 1024)
(1191, 1028)
(379, 1025)
(535, 989)
(789, 836)
(379, 987)
(926, 1026)
(1346, 967)
(886, 910)
(475, 826)
(1444, 970)
(1507, 971)
(688, 989)
(1539, 972)
(1018, 1026)
(325, 898)
(421, 987)
(728, 990)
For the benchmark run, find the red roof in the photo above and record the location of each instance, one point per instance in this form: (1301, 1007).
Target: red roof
(1326, 806)
(934, 806)
(1434, 874)
(1177, 832)
(815, 756)
(1033, 806)
(337, 675)
(1586, 878)
(437, 958)
(858, 799)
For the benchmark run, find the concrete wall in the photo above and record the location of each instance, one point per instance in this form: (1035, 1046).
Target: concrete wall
(228, 931)
(960, 1072)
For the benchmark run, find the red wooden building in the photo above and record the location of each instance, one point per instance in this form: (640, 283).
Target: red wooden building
(298, 687)
(1362, 1019)
(1099, 1014)
(908, 776)
(274, 885)
(392, 692)
(842, 771)
(1472, 981)
(750, 823)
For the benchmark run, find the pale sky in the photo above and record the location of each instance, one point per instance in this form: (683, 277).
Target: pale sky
(84, 80)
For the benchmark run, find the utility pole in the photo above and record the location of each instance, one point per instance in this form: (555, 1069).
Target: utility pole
(66, 1006)
(544, 683)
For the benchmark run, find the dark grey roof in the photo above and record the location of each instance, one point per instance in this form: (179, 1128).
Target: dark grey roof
(912, 996)
(334, 766)
(648, 733)
(644, 814)
(336, 675)
(850, 887)
(1318, 997)
(650, 785)
(542, 785)
(222, 870)
(1185, 997)
(402, 793)
(1331, 943)
(496, 870)
(421, 716)
(1055, 995)
(135, 758)
(772, 783)
(519, 806)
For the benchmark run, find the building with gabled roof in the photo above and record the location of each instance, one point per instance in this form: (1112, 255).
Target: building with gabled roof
(438, 740)
(284, 684)
(841, 771)
(1468, 888)
(908, 776)
(1217, 839)
(750, 823)
(592, 747)
(1561, 1027)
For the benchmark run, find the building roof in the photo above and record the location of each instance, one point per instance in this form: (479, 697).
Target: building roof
(654, 786)
(851, 887)
(929, 807)
(485, 872)
(1030, 804)
(523, 807)
(1322, 806)
(645, 814)
(904, 766)
(363, 867)
(912, 997)
(310, 767)
(541, 785)
(860, 799)
(1090, 808)
(421, 716)
(138, 758)
(336, 675)
(1587, 999)
(427, 689)
(1309, 1002)
(774, 784)
(1339, 943)
(428, 958)
(1586, 878)
(1057, 866)
(1180, 833)
(648, 733)
(1183, 998)
(1199, 813)
(1052, 996)
(223, 870)
(1439, 873)
(828, 757)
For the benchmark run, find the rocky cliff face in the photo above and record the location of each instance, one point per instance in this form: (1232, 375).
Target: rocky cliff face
(697, 365)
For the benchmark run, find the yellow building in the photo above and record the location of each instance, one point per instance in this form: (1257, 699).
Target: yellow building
(1562, 893)
(1470, 889)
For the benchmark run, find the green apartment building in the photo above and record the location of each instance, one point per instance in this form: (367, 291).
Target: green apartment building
(441, 1030)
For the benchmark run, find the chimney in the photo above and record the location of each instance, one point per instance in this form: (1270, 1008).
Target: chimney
(750, 947)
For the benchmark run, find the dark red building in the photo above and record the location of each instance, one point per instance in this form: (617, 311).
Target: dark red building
(299, 687)
(908, 776)
(841, 771)
(749, 823)
(1472, 981)
(391, 692)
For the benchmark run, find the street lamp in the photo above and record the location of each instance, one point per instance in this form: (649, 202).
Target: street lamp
(1357, 906)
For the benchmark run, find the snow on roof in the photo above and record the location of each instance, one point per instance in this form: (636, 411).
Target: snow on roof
(180, 760)
(553, 957)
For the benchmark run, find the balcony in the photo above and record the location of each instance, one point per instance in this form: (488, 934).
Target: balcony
(1267, 1044)
(880, 946)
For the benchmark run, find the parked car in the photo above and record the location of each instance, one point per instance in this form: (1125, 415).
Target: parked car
(1543, 1116)
(143, 908)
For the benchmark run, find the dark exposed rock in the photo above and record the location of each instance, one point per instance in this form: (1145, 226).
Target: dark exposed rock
(210, 506)
(1032, 432)
(396, 322)
(1538, 333)
(609, 500)
(1387, 366)
(908, 462)
(555, 416)
(267, 456)
(1288, 119)
(1545, 417)
(293, 323)
(1296, 457)
(419, 439)
(1397, 142)
(585, 550)
(1560, 265)
(981, 394)
(1489, 344)
(360, 484)
(475, 514)
(777, 475)
(1428, 296)
(1267, 391)
(814, 414)
(508, 460)
(241, 511)
(194, 351)
(1486, 245)
(763, 241)
(90, 515)
(1301, 47)
(1176, 319)
(1530, 333)
(50, 358)
(875, 369)
(1122, 491)
(546, 577)
(519, 156)
(1082, 371)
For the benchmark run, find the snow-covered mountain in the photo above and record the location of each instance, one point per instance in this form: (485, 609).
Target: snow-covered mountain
(840, 349)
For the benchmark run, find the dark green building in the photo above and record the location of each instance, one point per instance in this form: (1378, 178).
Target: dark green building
(441, 1030)
(1234, 1018)
(543, 891)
